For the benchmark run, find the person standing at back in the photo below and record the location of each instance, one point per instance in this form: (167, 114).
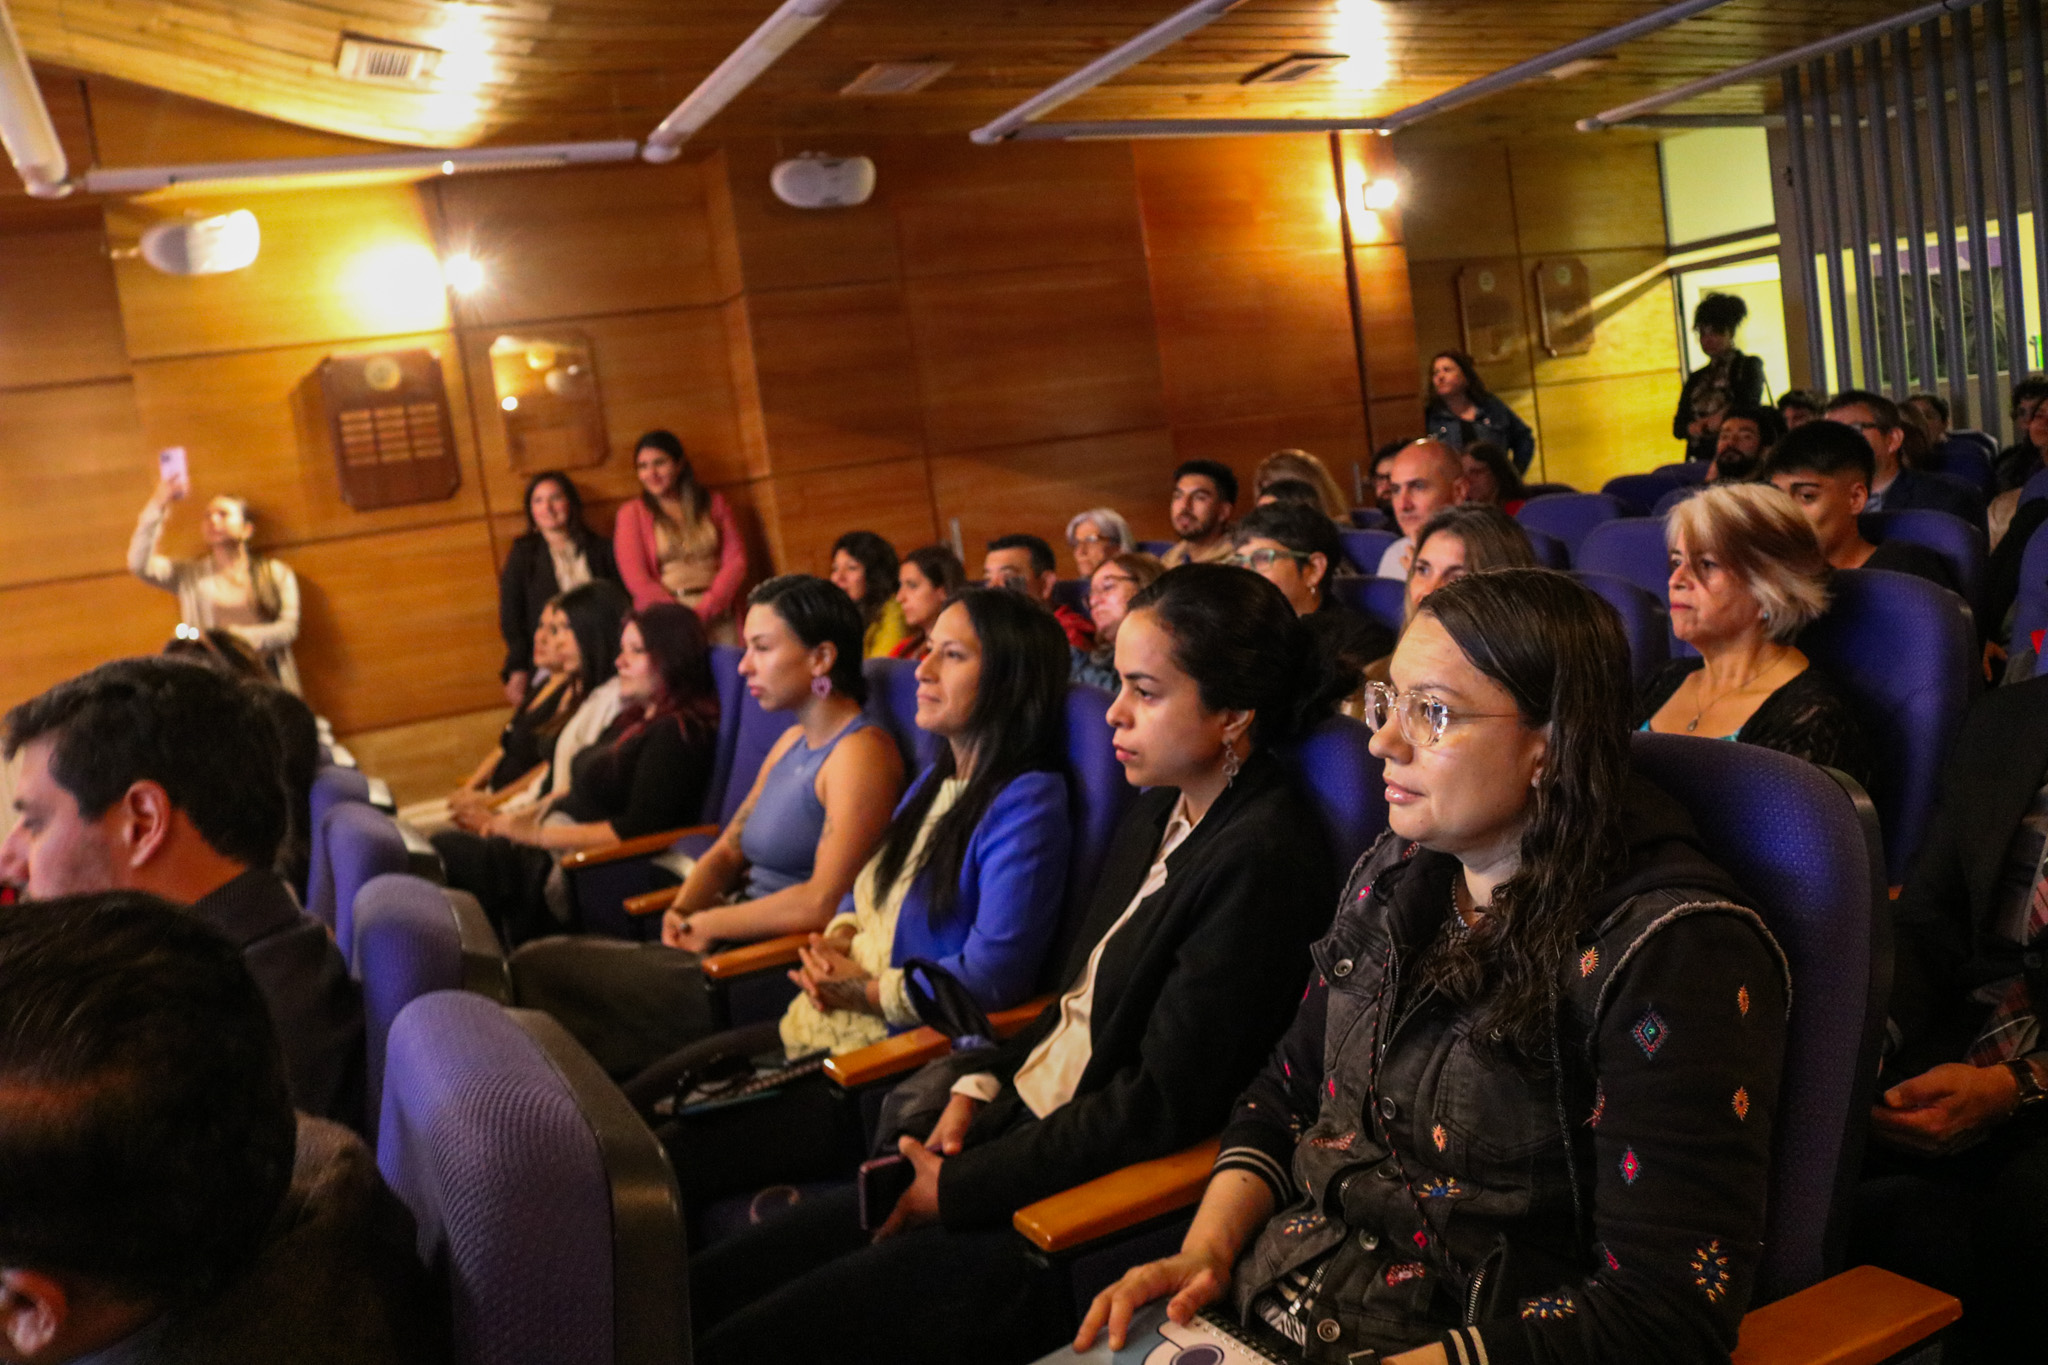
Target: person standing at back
(1728, 380)
(679, 541)
(1204, 496)
(232, 587)
(1461, 412)
(557, 553)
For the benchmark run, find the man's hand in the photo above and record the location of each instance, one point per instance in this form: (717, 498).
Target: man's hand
(950, 1132)
(1946, 1109)
(920, 1203)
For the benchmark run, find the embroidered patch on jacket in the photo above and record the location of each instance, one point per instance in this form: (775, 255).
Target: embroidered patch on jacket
(1421, 1239)
(1442, 1187)
(1589, 961)
(1710, 1270)
(1608, 1257)
(1333, 1087)
(1631, 1166)
(1441, 1138)
(1741, 1103)
(1341, 1143)
(1404, 1272)
(1742, 999)
(1548, 1308)
(1650, 1032)
(1599, 1106)
(1302, 1224)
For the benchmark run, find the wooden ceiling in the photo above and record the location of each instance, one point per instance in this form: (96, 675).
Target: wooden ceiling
(532, 70)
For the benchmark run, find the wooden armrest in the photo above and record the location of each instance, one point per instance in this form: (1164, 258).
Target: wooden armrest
(1119, 1200)
(1859, 1317)
(755, 957)
(653, 903)
(912, 1049)
(644, 846)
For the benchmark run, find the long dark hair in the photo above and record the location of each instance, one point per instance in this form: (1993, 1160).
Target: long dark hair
(1508, 485)
(597, 614)
(262, 577)
(877, 560)
(674, 637)
(578, 532)
(1559, 651)
(940, 566)
(1475, 387)
(1018, 725)
(819, 614)
(696, 501)
(1237, 636)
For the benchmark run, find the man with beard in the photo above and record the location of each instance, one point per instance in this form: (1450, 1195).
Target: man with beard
(1204, 495)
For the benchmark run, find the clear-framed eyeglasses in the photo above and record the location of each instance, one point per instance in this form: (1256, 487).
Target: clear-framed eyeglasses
(1258, 561)
(1423, 718)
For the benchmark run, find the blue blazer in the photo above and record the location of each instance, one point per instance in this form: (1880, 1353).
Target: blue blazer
(1013, 882)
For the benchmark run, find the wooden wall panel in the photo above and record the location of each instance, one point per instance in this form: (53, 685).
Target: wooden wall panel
(252, 426)
(960, 207)
(1015, 357)
(60, 319)
(1255, 332)
(1456, 201)
(336, 265)
(812, 510)
(400, 626)
(1038, 487)
(58, 630)
(787, 248)
(1635, 332)
(1394, 419)
(1587, 194)
(1598, 428)
(74, 471)
(1214, 196)
(1434, 290)
(593, 239)
(1386, 322)
(1335, 435)
(837, 376)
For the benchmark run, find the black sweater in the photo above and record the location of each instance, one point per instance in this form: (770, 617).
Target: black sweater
(1189, 996)
(1807, 718)
(528, 582)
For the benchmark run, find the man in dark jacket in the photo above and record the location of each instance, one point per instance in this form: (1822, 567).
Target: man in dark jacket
(165, 776)
(1956, 1190)
(1896, 488)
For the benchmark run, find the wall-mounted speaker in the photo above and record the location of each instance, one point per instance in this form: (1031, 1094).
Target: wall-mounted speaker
(817, 181)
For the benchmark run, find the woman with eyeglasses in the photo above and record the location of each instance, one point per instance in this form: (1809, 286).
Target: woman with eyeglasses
(1297, 550)
(1111, 587)
(1096, 535)
(1524, 1110)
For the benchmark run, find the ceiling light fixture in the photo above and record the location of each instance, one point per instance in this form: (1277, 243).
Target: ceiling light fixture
(25, 127)
(139, 179)
(741, 68)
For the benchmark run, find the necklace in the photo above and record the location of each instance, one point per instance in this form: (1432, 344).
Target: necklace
(1459, 929)
(1736, 691)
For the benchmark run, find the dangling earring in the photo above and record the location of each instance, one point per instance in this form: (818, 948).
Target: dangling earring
(821, 687)
(1231, 763)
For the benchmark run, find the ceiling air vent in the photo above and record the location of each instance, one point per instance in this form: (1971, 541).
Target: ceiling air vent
(373, 59)
(1294, 68)
(895, 78)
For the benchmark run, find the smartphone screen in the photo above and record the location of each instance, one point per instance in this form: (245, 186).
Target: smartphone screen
(881, 1183)
(170, 464)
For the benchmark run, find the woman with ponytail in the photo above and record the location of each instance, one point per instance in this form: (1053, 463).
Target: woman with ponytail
(1187, 967)
(232, 587)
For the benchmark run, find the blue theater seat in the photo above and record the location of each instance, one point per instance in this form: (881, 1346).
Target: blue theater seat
(1948, 535)
(413, 938)
(362, 842)
(1570, 516)
(1631, 548)
(1366, 548)
(1643, 619)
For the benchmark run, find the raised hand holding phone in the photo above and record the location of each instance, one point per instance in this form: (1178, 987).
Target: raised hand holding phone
(173, 475)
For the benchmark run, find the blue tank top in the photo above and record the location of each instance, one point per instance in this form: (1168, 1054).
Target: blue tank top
(780, 842)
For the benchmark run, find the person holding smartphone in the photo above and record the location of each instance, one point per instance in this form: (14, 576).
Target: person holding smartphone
(232, 586)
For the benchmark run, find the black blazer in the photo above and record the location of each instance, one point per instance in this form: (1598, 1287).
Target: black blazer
(1945, 946)
(1189, 997)
(526, 584)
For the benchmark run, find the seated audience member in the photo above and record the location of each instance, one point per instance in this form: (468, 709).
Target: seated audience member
(781, 865)
(928, 578)
(164, 776)
(1466, 538)
(1296, 549)
(1589, 1196)
(1893, 487)
(557, 553)
(1953, 1191)
(2004, 513)
(1024, 563)
(1299, 491)
(1798, 407)
(1461, 411)
(1728, 380)
(1427, 477)
(1739, 445)
(865, 568)
(158, 1201)
(1109, 598)
(1826, 468)
(1383, 472)
(1189, 962)
(1932, 410)
(645, 774)
(233, 586)
(1491, 478)
(1204, 496)
(2023, 459)
(970, 876)
(1747, 575)
(1095, 535)
(1299, 465)
(679, 541)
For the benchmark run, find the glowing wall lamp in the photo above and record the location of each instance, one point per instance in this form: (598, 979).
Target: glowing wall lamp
(463, 273)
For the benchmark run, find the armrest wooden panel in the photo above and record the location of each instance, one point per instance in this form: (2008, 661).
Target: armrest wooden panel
(755, 957)
(1119, 1200)
(1859, 1317)
(644, 846)
(653, 903)
(912, 1049)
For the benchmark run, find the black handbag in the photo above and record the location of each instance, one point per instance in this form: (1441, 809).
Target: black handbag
(944, 1004)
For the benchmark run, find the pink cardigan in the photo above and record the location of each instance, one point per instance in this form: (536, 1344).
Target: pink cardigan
(634, 544)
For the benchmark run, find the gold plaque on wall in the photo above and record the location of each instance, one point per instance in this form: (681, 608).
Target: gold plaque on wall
(1490, 310)
(387, 416)
(548, 401)
(1564, 298)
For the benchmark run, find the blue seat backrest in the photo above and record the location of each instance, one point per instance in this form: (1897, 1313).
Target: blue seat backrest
(1383, 599)
(1945, 533)
(758, 731)
(1801, 845)
(2036, 486)
(1343, 779)
(1966, 459)
(725, 674)
(892, 704)
(1685, 471)
(1156, 548)
(2030, 606)
(1673, 498)
(409, 940)
(1640, 491)
(1071, 593)
(1643, 619)
(538, 1193)
(362, 842)
(1097, 797)
(1905, 651)
(1569, 516)
(1366, 548)
(1631, 548)
(1370, 519)
(332, 785)
(1551, 553)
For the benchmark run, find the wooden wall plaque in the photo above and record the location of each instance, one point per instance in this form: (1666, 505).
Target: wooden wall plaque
(548, 401)
(1564, 298)
(387, 414)
(1490, 310)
